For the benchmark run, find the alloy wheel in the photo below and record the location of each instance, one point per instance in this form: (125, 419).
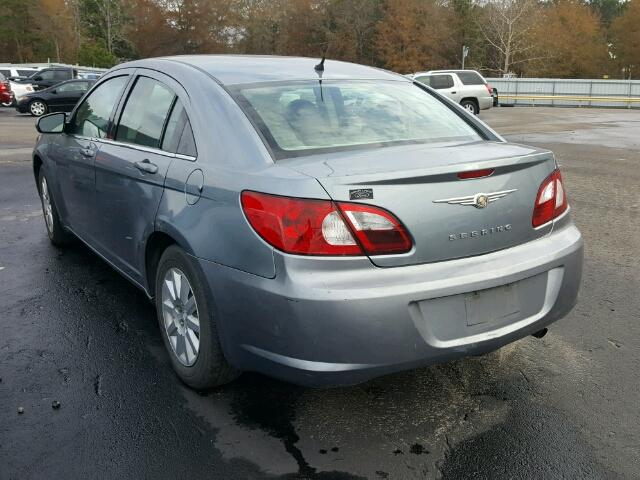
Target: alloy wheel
(37, 108)
(180, 316)
(469, 108)
(46, 204)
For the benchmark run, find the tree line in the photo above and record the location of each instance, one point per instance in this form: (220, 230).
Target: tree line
(532, 38)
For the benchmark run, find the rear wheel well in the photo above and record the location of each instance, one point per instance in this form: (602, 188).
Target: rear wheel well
(157, 243)
(472, 99)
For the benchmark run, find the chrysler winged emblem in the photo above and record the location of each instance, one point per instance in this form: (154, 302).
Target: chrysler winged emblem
(479, 200)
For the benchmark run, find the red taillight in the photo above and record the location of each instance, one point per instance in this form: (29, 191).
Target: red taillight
(489, 89)
(322, 227)
(476, 174)
(551, 200)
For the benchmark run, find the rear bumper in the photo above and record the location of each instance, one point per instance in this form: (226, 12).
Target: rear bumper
(485, 102)
(344, 321)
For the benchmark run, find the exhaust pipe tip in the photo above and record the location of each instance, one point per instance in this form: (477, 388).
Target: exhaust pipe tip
(540, 333)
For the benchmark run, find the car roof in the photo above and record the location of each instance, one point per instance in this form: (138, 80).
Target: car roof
(453, 71)
(242, 69)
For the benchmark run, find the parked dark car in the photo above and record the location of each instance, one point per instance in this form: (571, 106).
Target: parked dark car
(6, 95)
(321, 223)
(59, 98)
(48, 77)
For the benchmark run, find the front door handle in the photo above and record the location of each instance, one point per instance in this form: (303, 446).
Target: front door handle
(146, 166)
(87, 152)
(453, 93)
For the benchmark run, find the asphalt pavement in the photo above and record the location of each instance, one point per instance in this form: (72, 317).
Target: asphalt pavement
(565, 406)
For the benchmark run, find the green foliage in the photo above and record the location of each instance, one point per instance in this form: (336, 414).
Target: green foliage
(96, 55)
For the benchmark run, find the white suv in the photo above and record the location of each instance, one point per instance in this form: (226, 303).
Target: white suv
(466, 87)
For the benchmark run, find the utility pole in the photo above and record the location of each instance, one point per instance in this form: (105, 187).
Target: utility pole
(465, 52)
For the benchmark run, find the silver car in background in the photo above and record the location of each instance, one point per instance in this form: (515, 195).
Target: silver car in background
(323, 223)
(466, 87)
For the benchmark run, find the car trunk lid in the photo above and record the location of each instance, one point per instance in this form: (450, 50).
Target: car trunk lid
(419, 184)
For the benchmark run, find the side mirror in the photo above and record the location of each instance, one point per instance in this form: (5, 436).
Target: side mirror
(51, 123)
(54, 91)
(38, 78)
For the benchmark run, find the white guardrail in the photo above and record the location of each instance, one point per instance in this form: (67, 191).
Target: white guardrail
(568, 93)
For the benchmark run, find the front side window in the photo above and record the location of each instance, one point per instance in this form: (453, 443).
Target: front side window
(92, 117)
(301, 118)
(25, 73)
(145, 113)
(73, 87)
(46, 75)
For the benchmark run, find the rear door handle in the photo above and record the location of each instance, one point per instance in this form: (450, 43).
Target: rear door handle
(146, 166)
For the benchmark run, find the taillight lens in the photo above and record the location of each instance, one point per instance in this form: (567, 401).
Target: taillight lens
(321, 227)
(551, 200)
(476, 173)
(489, 89)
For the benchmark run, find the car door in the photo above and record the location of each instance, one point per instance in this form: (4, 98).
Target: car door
(131, 170)
(67, 95)
(55, 97)
(74, 154)
(44, 79)
(446, 84)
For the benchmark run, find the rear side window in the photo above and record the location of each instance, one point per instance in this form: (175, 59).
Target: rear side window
(178, 136)
(73, 87)
(145, 112)
(187, 145)
(61, 75)
(470, 78)
(5, 73)
(92, 117)
(438, 82)
(25, 73)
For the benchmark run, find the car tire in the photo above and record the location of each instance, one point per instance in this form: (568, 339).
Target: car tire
(195, 353)
(471, 106)
(37, 108)
(56, 232)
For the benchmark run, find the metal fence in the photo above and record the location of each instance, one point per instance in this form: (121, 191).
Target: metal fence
(570, 93)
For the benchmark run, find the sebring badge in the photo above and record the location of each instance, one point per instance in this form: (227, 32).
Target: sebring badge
(479, 200)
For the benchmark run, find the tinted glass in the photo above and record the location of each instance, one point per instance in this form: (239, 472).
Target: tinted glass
(470, 78)
(5, 73)
(175, 125)
(92, 117)
(301, 118)
(187, 145)
(2, 79)
(25, 73)
(46, 74)
(145, 113)
(440, 82)
(61, 75)
(73, 87)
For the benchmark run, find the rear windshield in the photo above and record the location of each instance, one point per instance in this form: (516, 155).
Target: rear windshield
(302, 118)
(471, 78)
